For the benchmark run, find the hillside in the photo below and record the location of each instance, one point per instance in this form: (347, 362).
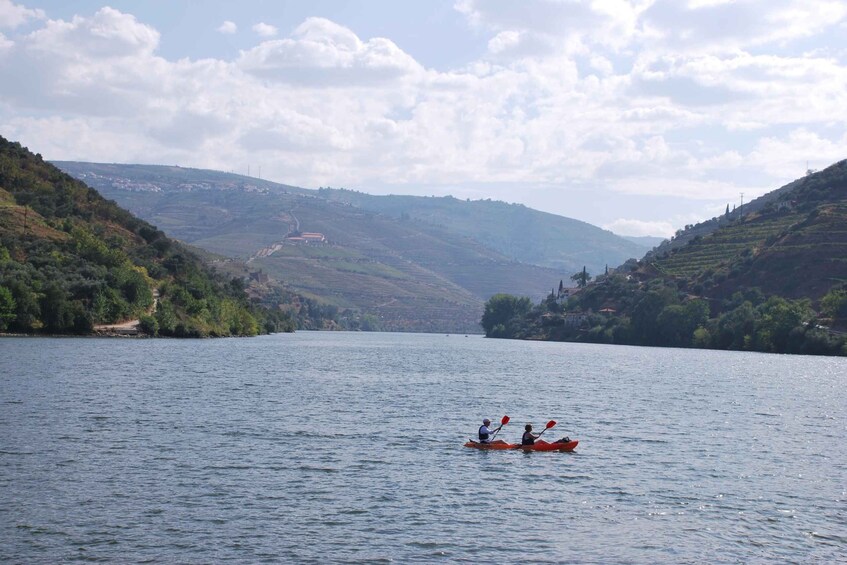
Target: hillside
(793, 245)
(772, 278)
(685, 235)
(400, 273)
(514, 230)
(69, 259)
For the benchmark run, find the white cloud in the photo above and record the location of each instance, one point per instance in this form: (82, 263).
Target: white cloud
(320, 52)
(788, 155)
(603, 96)
(13, 15)
(228, 28)
(503, 41)
(103, 65)
(265, 30)
(107, 34)
(636, 228)
(685, 187)
(726, 26)
(568, 22)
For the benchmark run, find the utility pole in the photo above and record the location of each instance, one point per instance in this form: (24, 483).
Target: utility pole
(741, 208)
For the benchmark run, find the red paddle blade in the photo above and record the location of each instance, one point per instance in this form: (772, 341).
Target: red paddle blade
(504, 421)
(550, 424)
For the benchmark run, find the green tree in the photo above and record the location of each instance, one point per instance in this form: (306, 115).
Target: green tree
(834, 304)
(735, 327)
(677, 322)
(56, 311)
(27, 309)
(581, 278)
(7, 307)
(778, 317)
(504, 310)
(149, 325)
(702, 338)
(645, 312)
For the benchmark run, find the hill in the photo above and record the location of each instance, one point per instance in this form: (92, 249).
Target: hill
(514, 230)
(70, 259)
(393, 272)
(792, 242)
(772, 277)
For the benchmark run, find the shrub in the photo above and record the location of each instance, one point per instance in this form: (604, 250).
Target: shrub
(149, 325)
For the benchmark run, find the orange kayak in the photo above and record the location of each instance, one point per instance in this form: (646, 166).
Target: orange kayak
(539, 445)
(495, 445)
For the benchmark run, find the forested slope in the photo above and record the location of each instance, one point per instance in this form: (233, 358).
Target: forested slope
(70, 259)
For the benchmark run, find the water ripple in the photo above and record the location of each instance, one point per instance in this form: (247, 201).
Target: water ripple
(333, 447)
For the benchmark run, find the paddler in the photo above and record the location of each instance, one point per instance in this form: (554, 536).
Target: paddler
(485, 432)
(528, 437)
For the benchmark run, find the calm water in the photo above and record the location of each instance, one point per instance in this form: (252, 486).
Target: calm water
(347, 447)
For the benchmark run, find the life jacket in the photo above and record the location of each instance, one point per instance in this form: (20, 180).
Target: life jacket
(482, 436)
(527, 439)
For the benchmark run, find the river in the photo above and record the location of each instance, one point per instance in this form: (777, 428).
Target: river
(347, 447)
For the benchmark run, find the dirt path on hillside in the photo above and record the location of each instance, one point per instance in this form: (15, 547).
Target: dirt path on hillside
(130, 327)
(274, 247)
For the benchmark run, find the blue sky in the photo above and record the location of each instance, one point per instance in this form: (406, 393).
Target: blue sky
(640, 116)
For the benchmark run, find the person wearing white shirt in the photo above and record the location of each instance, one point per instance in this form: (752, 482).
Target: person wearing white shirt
(485, 432)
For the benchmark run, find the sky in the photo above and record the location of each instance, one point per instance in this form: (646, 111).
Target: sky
(638, 116)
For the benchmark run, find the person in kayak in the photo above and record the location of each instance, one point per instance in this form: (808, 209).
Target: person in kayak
(528, 437)
(485, 432)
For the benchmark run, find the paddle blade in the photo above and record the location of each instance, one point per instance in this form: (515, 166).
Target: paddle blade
(504, 421)
(550, 424)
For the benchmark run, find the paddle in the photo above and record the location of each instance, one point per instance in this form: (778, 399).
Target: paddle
(503, 422)
(549, 425)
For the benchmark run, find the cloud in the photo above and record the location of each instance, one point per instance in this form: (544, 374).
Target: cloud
(103, 65)
(504, 41)
(602, 97)
(321, 52)
(636, 228)
(788, 155)
(265, 30)
(725, 26)
(567, 22)
(109, 34)
(228, 28)
(13, 15)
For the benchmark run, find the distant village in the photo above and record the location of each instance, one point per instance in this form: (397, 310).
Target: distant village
(122, 183)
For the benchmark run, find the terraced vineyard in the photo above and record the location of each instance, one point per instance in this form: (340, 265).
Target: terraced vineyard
(805, 263)
(794, 245)
(725, 245)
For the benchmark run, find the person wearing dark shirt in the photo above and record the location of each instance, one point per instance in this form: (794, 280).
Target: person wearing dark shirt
(529, 437)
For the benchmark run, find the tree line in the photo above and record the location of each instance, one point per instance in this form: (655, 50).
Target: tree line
(659, 313)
